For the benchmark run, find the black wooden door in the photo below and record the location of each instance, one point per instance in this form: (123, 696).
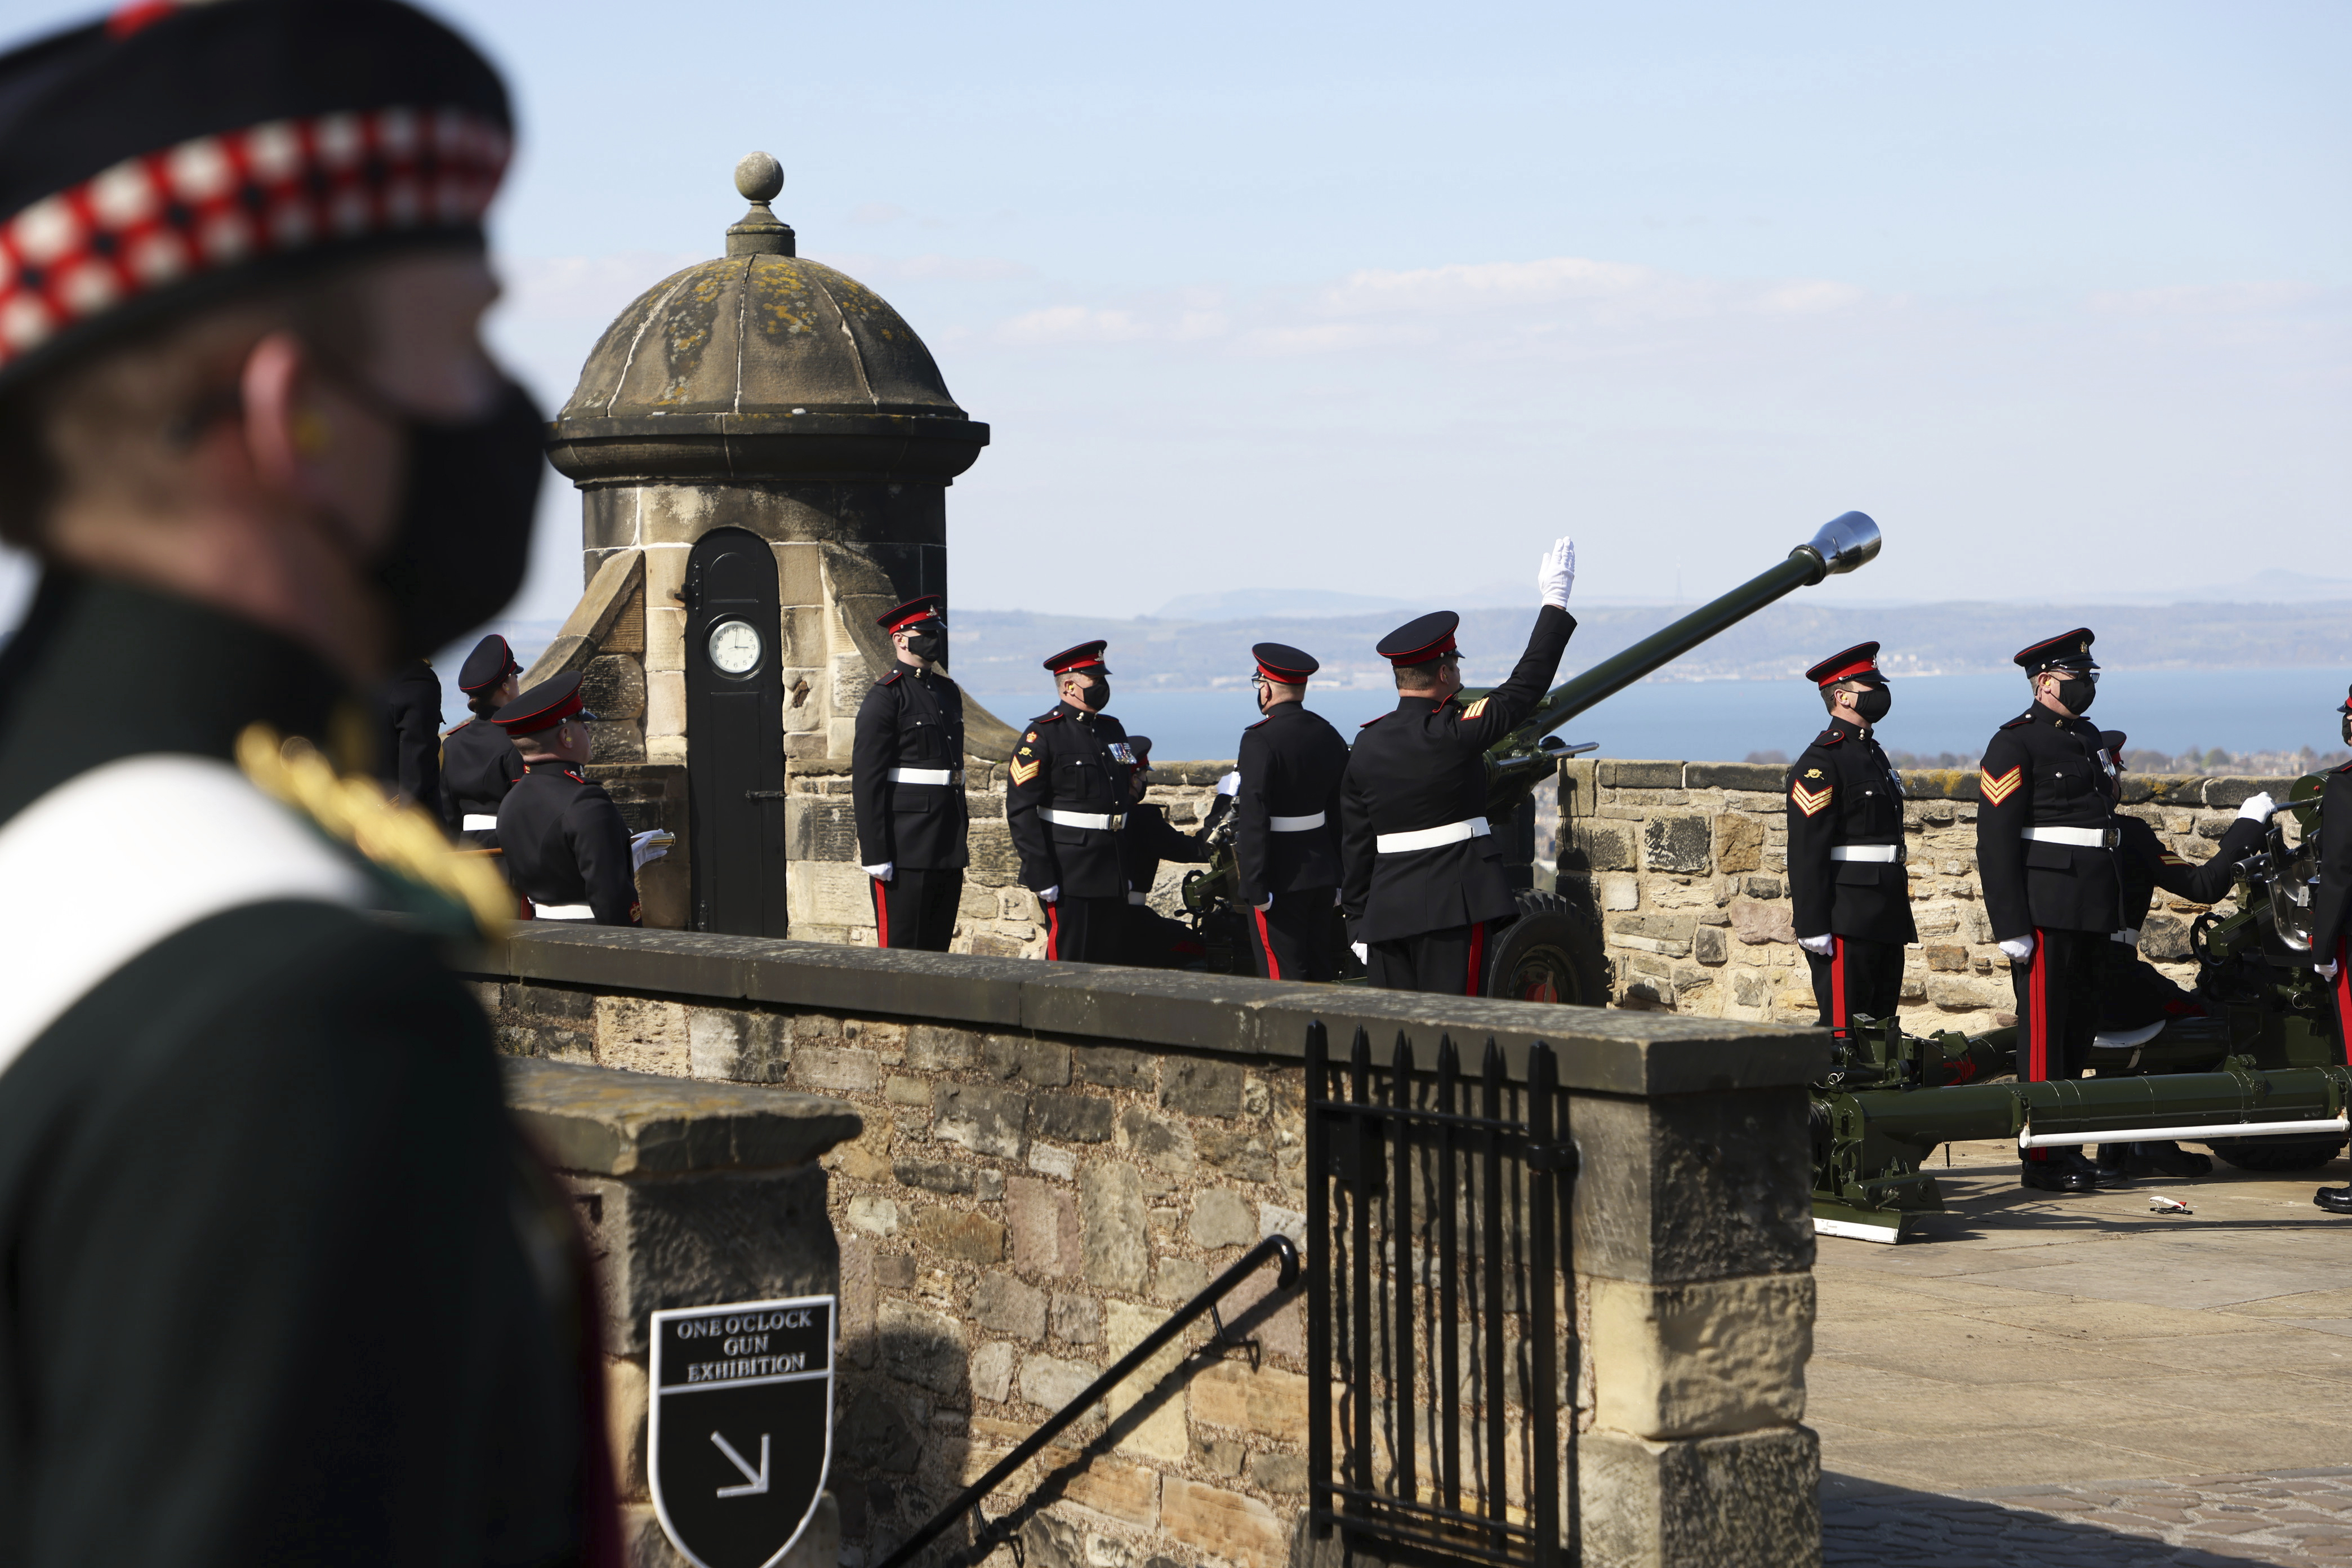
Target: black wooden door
(735, 735)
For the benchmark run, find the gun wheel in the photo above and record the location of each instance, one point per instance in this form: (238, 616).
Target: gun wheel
(1550, 953)
(2276, 1153)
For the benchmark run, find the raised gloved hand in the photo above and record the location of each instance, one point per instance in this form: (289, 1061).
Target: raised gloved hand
(1231, 783)
(2258, 808)
(1557, 575)
(650, 845)
(882, 873)
(1050, 894)
(1363, 953)
(1818, 946)
(2019, 948)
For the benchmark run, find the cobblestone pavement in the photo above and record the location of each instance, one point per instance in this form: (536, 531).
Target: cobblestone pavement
(2288, 1519)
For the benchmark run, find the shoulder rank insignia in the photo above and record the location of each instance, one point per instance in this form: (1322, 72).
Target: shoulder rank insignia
(1998, 789)
(1811, 801)
(2166, 857)
(1812, 772)
(1475, 709)
(1024, 772)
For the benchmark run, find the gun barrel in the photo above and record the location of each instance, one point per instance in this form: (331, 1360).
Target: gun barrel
(1843, 544)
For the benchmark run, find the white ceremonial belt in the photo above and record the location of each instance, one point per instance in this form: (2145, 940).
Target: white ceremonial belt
(2081, 838)
(1431, 838)
(1293, 823)
(1134, 898)
(1886, 854)
(924, 775)
(2128, 936)
(561, 913)
(479, 822)
(1101, 822)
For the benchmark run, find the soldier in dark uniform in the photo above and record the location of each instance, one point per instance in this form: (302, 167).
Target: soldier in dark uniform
(1848, 883)
(1066, 793)
(479, 760)
(411, 754)
(1425, 879)
(1152, 940)
(284, 1282)
(2135, 998)
(1287, 822)
(567, 849)
(2331, 916)
(905, 773)
(2046, 837)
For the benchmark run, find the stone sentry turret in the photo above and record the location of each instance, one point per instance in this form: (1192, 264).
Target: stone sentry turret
(758, 405)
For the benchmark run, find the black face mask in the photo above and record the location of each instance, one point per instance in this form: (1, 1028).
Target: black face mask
(931, 646)
(2076, 692)
(463, 537)
(1097, 695)
(1872, 704)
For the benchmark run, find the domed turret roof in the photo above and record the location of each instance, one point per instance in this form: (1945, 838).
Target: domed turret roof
(761, 363)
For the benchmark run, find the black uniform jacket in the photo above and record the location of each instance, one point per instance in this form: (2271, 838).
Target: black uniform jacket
(1291, 764)
(1068, 761)
(479, 766)
(2331, 910)
(565, 844)
(412, 734)
(2144, 864)
(1149, 837)
(1844, 791)
(1423, 766)
(274, 1251)
(910, 719)
(2042, 770)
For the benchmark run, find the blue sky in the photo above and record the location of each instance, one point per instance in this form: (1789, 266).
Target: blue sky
(1380, 299)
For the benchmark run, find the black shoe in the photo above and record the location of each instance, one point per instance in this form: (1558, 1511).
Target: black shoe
(2117, 1161)
(2332, 1200)
(2168, 1160)
(2056, 1176)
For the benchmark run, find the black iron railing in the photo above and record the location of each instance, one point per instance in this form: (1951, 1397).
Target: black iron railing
(1438, 1221)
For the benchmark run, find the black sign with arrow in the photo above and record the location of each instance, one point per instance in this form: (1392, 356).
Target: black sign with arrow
(742, 1427)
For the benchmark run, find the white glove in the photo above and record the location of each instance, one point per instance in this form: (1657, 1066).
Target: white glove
(883, 872)
(1267, 905)
(643, 848)
(1557, 575)
(1050, 894)
(2019, 948)
(1231, 783)
(1820, 946)
(2328, 970)
(2258, 808)
(1363, 953)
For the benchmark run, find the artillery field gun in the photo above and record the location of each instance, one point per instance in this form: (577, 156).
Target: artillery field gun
(1552, 951)
(2261, 1078)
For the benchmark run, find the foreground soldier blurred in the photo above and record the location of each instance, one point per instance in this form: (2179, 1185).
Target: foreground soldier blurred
(566, 848)
(479, 760)
(283, 1284)
(2331, 916)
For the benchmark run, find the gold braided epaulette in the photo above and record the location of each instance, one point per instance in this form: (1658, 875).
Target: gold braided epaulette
(401, 839)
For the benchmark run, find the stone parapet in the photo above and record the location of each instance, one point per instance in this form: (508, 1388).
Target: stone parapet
(1686, 864)
(1052, 1157)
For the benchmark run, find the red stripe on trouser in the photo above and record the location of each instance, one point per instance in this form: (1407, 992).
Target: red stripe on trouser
(1837, 983)
(1478, 958)
(1272, 964)
(1052, 932)
(2037, 1020)
(881, 915)
(2344, 996)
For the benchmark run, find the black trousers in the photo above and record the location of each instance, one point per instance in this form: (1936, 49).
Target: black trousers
(2058, 1006)
(1451, 962)
(917, 909)
(1859, 976)
(1086, 931)
(1298, 938)
(1152, 940)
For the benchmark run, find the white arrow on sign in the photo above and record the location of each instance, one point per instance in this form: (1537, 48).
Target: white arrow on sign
(755, 1481)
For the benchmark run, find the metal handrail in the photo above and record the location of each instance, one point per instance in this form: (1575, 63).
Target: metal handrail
(1276, 1247)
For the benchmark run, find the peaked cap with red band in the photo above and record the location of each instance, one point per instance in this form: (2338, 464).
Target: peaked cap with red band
(1281, 662)
(1418, 641)
(490, 662)
(914, 613)
(2068, 650)
(2347, 708)
(180, 153)
(1085, 656)
(543, 707)
(1855, 662)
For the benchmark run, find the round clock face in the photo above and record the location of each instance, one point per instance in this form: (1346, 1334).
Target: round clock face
(734, 648)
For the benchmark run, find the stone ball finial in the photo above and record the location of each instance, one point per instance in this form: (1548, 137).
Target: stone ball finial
(759, 177)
